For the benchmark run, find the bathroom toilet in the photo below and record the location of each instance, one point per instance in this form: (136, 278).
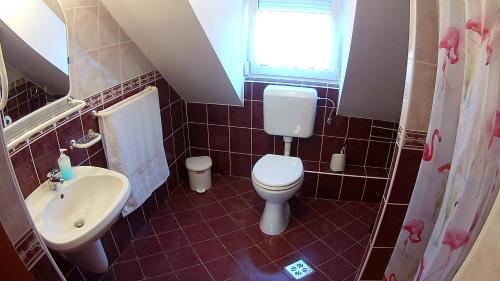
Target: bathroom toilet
(288, 112)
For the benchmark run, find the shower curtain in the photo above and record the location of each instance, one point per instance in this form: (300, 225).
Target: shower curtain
(459, 172)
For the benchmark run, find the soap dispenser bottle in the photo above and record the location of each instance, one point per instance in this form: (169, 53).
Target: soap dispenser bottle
(65, 165)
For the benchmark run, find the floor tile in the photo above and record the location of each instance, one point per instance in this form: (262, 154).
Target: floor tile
(201, 199)
(320, 227)
(223, 268)
(269, 272)
(172, 240)
(128, 271)
(250, 258)
(354, 254)
(212, 211)
(338, 241)
(245, 217)
(223, 225)
(256, 234)
(317, 253)
(198, 232)
(210, 250)
(234, 204)
(356, 230)
(182, 258)
(252, 198)
(165, 277)
(339, 217)
(243, 186)
(127, 254)
(236, 240)
(155, 265)
(147, 246)
(276, 248)
(187, 218)
(337, 269)
(223, 192)
(180, 204)
(299, 237)
(164, 224)
(195, 273)
(356, 209)
(322, 206)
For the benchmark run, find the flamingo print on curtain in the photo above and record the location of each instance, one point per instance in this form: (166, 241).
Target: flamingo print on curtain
(459, 172)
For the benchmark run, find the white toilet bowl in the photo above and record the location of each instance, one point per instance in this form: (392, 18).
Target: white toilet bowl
(276, 179)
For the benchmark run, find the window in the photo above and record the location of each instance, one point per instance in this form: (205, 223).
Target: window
(294, 38)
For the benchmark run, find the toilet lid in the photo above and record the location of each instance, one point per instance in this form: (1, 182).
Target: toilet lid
(278, 170)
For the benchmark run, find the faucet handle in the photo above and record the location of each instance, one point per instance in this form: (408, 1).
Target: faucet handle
(52, 173)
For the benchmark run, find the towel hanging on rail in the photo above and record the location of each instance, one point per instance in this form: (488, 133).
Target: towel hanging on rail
(133, 144)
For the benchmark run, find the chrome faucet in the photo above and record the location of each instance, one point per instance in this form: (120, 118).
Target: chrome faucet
(54, 180)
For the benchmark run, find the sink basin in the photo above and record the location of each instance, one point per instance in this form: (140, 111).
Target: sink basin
(72, 218)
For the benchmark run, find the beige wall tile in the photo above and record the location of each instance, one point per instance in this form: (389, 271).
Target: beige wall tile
(86, 26)
(109, 31)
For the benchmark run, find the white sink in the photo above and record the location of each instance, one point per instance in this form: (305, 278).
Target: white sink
(72, 218)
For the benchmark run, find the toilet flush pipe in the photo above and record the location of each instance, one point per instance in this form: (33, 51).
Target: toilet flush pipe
(288, 145)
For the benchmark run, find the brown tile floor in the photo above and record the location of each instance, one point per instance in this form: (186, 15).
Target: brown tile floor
(216, 236)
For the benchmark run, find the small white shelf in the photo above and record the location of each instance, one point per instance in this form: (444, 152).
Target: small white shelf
(86, 141)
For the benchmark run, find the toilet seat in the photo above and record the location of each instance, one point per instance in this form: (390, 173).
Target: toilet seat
(277, 172)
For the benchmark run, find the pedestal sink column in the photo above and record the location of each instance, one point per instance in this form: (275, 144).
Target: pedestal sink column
(90, 257)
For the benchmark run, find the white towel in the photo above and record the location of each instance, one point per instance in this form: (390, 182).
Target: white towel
(133, 143)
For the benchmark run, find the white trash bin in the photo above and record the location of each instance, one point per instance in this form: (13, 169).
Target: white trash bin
(200, 178)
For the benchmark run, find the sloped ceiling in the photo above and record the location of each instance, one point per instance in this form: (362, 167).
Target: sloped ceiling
(373, 86)
(197, 45)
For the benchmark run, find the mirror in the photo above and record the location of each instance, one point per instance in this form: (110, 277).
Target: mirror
(35, 53)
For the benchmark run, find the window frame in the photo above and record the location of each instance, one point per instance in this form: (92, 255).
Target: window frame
(332, 75)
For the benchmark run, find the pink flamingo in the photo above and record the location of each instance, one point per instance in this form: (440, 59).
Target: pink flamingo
(450, 43)
(454, 238)
(429, 151)
(444, 167)
(392, 277)
(415, 229)
(494, 128)
(477, 26)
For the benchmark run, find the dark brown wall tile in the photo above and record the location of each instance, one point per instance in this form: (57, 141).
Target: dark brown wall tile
(163, 93)
(247, 90)
(241, 116)
(45, 152)
(309, 148)
(198, 135)
(374, 190)
(218, 137)
(390, 226)
(309, 185)
(257, 114)
(377, 154)
(359, 128)
(329, 186)
(258, 90)
(241, 165)
(217, 114)
(220, 162)
(197, 112)
(72, 130)
(330, 145)
(240, 140)
(262, 143)
(352, 188)
(405, 176)
(166, 122)
(338, 128)
(356, 152)
(25, 171)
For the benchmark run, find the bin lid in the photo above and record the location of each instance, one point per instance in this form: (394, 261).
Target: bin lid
(200, 163)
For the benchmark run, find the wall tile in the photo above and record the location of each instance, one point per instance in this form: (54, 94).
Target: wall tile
(378, 153)
(359, 128)
(309, 148)
(374, 190)
(240, 140)
(241, 165)
(390, 225)
(262, 143)
(338, 128)
(218, 137)
(258, 91)
(45, 152)
(257, 115)
(241, 116)
(405, 176)
(220, 162)
(72, 130)
(198, 135)
(197, 112)
(217, 114)
(329, 186)
(352, 188)
(25, 171)
(356, 151)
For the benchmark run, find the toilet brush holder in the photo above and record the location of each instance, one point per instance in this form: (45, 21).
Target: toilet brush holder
(337, 163)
